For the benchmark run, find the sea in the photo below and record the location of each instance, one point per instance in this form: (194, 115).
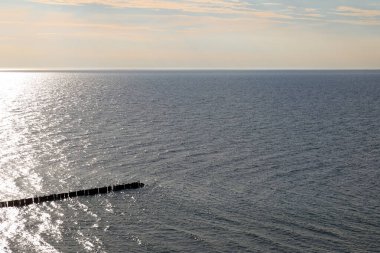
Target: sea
(232, 161)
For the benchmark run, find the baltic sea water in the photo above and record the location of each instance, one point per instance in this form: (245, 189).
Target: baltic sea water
(233, 161)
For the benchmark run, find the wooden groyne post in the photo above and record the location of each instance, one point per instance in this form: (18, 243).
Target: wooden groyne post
(72, 194)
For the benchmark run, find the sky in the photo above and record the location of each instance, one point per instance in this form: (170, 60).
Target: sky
(189, 34)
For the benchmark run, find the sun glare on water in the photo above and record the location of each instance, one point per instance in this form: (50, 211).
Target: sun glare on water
(17, 162)
(14, 160)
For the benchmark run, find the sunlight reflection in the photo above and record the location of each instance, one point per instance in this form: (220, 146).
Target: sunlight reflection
(35, 138)
(16, 161)
(14, 230)
(12, 83)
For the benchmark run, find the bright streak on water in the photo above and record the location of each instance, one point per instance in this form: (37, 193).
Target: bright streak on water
(16, 154)
(265, 161)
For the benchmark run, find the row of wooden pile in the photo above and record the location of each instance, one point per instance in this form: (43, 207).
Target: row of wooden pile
(72, 194)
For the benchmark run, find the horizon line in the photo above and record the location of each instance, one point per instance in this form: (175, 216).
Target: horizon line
(177, 69)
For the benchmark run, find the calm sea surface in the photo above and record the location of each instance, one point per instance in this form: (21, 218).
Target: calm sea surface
(233, 161)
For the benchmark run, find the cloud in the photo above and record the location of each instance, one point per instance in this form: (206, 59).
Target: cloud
(187, 6)
(311, 10)
(313, 15)
(195, 33)
(358, 22)
(218, 6)
(361, 17)
(272, 4)
(356, 12)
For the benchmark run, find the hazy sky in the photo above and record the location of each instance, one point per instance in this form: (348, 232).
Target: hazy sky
(239, 34)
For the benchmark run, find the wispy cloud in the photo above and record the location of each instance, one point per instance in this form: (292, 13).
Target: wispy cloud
(272, 4)
(357, 16)
(358, 22)
(311, 10)
(187, 6)
(213, 6)
(356, 12)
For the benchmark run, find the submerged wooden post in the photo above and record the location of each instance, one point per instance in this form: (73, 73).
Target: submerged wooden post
(71, 194)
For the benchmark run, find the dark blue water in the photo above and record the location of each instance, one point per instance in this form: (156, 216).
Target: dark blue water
(233, 161)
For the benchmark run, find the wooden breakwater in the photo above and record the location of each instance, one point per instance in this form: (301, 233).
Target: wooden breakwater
(72, 194)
